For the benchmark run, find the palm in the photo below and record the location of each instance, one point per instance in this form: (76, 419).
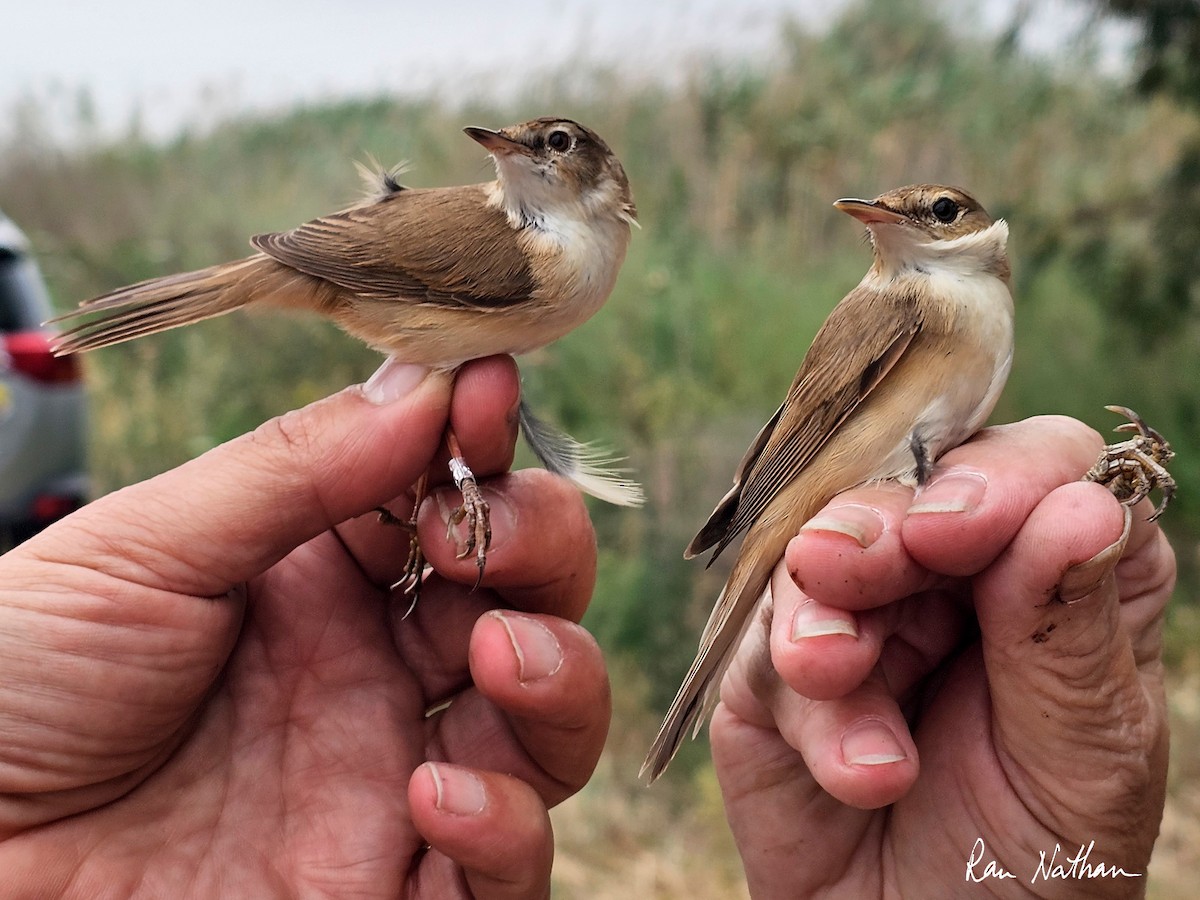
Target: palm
(168, 736)
(311, 734)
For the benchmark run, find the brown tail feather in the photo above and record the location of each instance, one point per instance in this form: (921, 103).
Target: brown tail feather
(162, 303)
(730, 619)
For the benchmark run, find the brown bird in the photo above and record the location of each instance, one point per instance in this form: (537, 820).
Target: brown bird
(433, 276)
(906, 367)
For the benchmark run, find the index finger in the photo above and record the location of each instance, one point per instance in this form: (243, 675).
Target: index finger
(983, 491)
(980, 494)
(543, 553)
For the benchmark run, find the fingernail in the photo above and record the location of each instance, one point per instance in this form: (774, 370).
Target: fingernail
(811, 619)
(871, 743)
(539, 654)
(951, 492)
(392, 381)
(457, 790)
(1083, 578)
(856, 520)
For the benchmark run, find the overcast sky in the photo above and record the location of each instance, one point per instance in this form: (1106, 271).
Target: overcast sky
(179, 63)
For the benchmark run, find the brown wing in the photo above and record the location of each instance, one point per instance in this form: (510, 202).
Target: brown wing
(717, 525)
(824, 392)
(438, 246)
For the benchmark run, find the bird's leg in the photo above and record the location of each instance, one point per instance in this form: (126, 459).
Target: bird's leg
(414, 566)
(921, 457)
(474, 511)
(474, 508)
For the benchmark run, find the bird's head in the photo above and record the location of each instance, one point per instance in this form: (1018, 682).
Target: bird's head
(555, 166)
(924, 225)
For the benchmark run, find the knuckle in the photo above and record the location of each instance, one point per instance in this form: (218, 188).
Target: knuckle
(290, 434)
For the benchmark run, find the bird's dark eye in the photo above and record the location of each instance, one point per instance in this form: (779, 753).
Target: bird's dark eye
(558, 140)
(945, 209)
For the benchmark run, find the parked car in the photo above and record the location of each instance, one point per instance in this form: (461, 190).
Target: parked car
(43, 475)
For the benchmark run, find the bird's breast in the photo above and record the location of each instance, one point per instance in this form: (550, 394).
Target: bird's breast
(575, 263)
(947, 384)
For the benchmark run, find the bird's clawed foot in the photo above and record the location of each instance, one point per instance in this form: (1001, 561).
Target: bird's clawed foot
(474, 511)
(1132, 469)
(413, 575)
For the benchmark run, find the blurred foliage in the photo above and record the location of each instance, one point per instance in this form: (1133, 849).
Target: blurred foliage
(1148, 277)
(1169, 54)
(740, 259)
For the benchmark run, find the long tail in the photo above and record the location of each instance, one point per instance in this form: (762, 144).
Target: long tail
(168, 302)
(730, 619)
(587, 467)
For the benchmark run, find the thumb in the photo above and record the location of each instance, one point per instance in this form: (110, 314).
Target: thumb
(228, 515)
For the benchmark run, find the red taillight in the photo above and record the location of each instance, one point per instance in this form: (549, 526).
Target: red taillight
(29, 353)
(48, 508)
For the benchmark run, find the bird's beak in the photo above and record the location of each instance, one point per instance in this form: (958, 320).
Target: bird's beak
(495, 141)
(870, 212)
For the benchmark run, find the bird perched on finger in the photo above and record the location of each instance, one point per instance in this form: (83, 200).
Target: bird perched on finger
(907, 366)
(433, 276)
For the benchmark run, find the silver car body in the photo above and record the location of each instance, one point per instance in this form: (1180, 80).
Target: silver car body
(43, 473)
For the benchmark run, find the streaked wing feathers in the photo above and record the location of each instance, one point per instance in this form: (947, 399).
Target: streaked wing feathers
(411, 245)
(826, 389)
(717, 525)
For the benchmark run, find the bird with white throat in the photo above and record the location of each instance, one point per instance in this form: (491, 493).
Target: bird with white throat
(907, 366)
(435, 277)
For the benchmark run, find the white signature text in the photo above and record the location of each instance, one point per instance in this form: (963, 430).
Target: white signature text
(1056, 865)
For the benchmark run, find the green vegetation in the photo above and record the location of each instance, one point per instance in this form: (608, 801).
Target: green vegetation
(740, 258)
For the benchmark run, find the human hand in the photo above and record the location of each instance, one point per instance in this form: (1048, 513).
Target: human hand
(207, 687)
(975, 674)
